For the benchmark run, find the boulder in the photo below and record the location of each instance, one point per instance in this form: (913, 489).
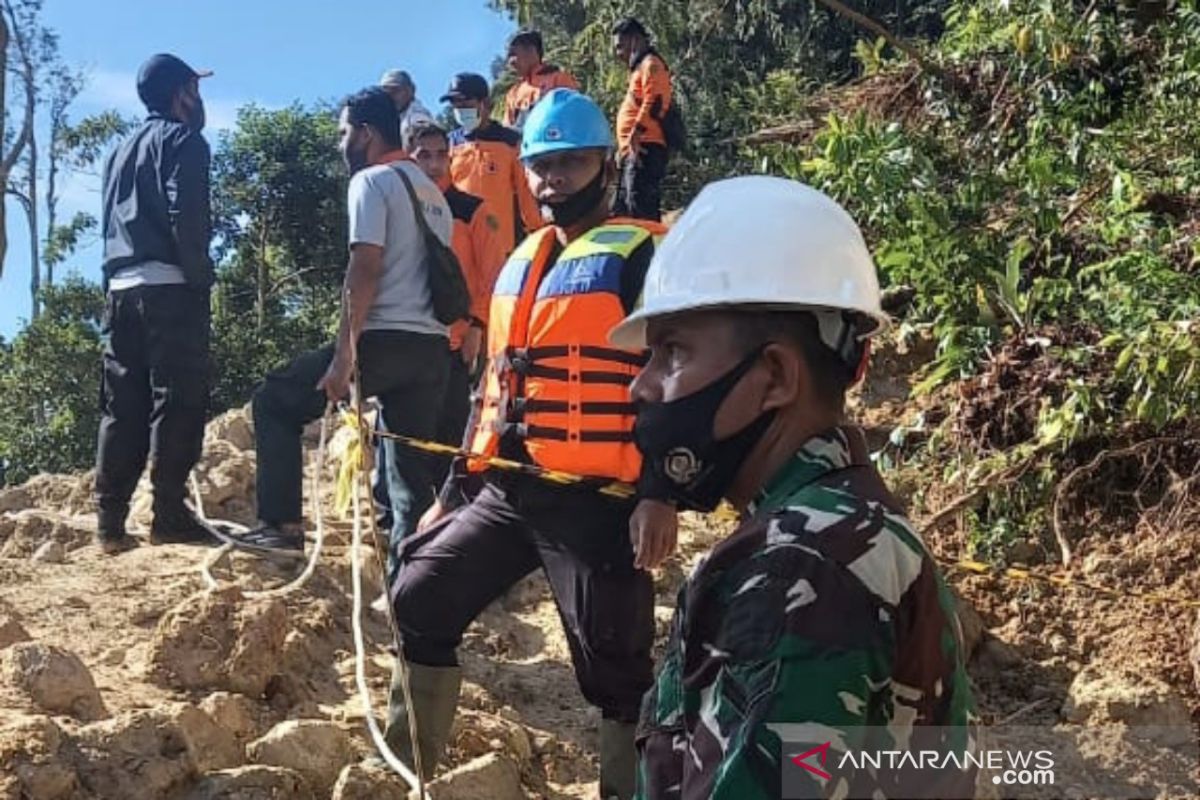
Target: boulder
(997, 655)
(971, 624)
(220, 640)
(135, 754)
(478, 733)
(33, 528)
(211, 746)
(50, 552)
(234, 713)
(368, 780)
(32, 767)
(234, 427)
(1150, 708)
(490, 777)
(54, 679)
(316, 749)
(11, 631)
(256, 782)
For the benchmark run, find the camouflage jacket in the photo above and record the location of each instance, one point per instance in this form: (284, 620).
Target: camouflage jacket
(822, 613)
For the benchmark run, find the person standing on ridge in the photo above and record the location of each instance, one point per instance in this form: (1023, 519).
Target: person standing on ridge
(157, 228)
(555, 394)
(389, 335)
(485, 160)
(641, 140)
(534, 77)
(400, 87)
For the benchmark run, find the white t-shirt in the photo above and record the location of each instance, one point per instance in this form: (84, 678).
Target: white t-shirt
(147, 273)
(381, 214)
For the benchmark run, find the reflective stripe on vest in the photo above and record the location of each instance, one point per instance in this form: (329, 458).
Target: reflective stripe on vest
(553, 379)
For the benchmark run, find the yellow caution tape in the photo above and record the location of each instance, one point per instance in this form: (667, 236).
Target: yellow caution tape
(1019, 575)
(353, 456)
(352, 460)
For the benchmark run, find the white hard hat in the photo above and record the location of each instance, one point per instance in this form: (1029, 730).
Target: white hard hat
(759, 241)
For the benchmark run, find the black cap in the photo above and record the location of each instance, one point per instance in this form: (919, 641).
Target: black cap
(161, 76)
(466, 86)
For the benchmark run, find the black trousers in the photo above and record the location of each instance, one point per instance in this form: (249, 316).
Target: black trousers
(456, 409)
(639, 194)
(450, 573)
(153, 395)
(405, 371)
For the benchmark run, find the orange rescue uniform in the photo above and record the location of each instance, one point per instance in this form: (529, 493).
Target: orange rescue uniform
(475, 240)
(486, 163)
(645, 103)
(526, 92)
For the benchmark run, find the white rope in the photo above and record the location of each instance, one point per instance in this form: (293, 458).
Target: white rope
(231, 544)
(360, 671)
(360, 674)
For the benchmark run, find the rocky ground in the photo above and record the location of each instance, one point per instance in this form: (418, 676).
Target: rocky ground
(125, 678)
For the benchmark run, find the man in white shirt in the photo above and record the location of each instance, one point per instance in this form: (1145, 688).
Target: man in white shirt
(388, 327)
(413, 113)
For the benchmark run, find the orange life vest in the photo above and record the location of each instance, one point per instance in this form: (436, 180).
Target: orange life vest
(553, 379)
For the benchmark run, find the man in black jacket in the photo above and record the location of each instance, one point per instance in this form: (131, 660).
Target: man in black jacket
(157, 274)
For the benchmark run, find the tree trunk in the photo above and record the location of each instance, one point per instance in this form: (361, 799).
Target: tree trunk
(3, 118)
(35, 262)
(7, 32)
(52, 194)
(263, 277)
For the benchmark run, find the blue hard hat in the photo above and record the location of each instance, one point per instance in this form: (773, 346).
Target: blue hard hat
(564, 120)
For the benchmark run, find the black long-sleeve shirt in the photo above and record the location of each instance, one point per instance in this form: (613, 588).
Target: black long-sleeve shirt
(156, 201)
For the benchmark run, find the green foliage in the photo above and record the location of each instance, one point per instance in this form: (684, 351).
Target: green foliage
(1060, 192)
(49, 377)
(735, 63)
(1158, 367)
(279, 192)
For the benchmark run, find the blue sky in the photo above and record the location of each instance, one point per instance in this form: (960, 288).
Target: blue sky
(262, 51)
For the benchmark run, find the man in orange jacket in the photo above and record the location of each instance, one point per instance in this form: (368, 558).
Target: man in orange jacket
(535, 77)
(475, 240)
(485, 162)
(641, 143)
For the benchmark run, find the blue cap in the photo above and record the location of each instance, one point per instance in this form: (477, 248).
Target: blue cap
(564, 120)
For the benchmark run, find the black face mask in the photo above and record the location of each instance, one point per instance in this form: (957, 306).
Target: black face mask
(578, 205)
(676, 439)
(196, 117)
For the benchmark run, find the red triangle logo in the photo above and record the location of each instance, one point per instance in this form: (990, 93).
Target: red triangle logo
(821, 751)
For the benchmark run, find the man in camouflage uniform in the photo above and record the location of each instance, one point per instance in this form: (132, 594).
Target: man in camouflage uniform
(822, 616)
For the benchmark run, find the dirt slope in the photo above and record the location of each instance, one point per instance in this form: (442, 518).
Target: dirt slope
(123, 678)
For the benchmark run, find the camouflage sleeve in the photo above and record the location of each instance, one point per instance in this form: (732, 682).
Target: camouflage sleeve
(807, 660)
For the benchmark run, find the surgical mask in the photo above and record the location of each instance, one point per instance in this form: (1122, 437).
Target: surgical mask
(468, 118)
(677, 442)
(578, 205)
